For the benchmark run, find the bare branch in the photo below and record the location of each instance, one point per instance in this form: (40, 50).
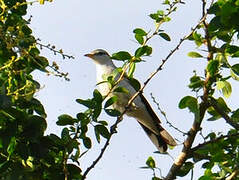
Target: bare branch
(233, 175)
(52, 48)
(163, 113)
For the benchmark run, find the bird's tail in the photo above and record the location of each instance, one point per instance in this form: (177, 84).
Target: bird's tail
(161, 140)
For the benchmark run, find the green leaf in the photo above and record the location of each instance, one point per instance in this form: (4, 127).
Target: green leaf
(121, 55)
(197, 39)
(65, 136)
(222, 105)
(34, 127)
(234, 76)
(155, 17)
(26, 30)
(83, 118)
(97, 135)
(235, 69)
(165, 36)
(235, 116)
(213, 67)
(184, 170)
(12, 145)
(64, 120)
(97, 110)
(111, 101)
(87, 142)
(144, 50)
(135, 83)
(103, 131)
(160, 12)
(194, 55)
(5, 101)
(56, 140)
(4, 166)
(113, 112)
(132, 67)
(121, 89)
(88, 103)
(166, 2)
(196, 83)
(140, 31)
(139, 38)
(74, 171)
(97, 96)
(214, 113)
(103, 123)
(151, 163)
(189, 102)
(42, 62)
(225, 87)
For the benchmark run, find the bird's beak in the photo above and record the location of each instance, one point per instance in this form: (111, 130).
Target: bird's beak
(89, 55)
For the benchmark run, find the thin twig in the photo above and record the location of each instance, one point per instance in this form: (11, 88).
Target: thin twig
(165, 117)
(52, 48)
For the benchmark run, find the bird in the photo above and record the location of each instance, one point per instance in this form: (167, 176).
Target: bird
(140, 109)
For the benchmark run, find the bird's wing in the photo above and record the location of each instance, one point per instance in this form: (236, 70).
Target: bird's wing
(160, 137)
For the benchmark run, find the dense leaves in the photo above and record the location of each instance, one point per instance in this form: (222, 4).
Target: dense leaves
(26, 153)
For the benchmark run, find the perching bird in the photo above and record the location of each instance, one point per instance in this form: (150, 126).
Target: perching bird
(140, 108)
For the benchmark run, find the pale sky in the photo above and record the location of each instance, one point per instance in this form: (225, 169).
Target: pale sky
(79, 27)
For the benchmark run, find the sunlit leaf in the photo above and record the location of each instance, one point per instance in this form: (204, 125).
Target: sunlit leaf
(139, 38)
(194, 55)
(213, 67)
(121, 55)
(150, 162)
(140, 31)
(189, 102)
(225, 87)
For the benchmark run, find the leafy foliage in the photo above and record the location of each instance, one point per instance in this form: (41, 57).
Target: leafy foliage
(26, 153)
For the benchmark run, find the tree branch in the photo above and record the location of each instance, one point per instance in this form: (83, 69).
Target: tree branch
(187, 143)
(112, 131)
(179, 161)
(233, 175)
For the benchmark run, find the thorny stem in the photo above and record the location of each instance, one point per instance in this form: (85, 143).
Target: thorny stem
(52, 48)
(163, 113)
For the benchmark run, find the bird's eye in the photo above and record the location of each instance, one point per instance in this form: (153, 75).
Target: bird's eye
(101, 53)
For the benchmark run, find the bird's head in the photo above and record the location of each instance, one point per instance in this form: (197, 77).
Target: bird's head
(99, 56)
